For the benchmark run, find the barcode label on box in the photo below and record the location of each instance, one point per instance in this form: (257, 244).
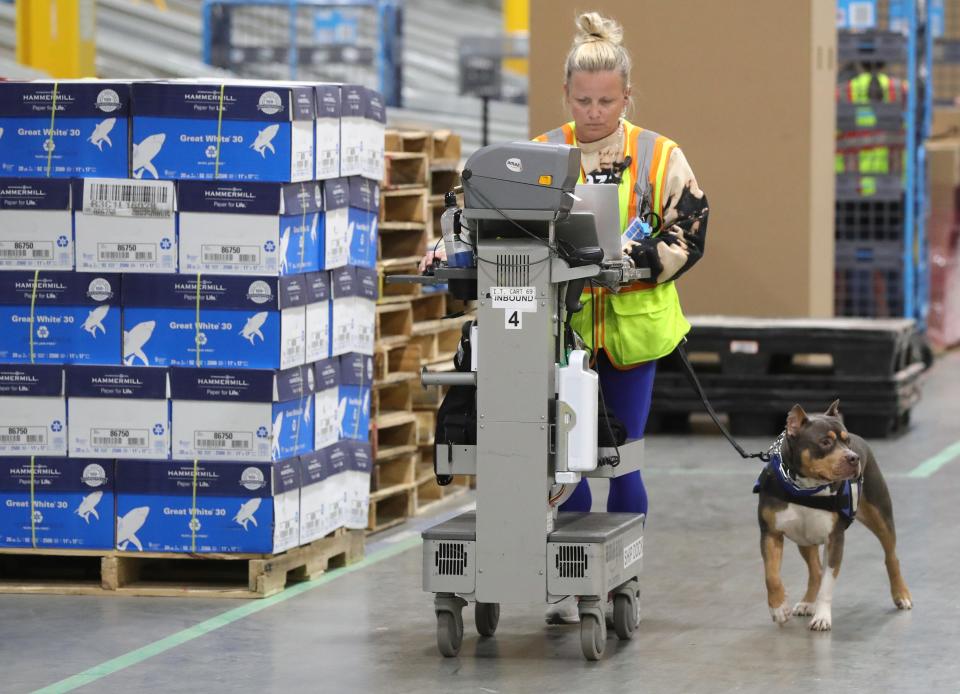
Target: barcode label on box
(231, 255)
(119, 438)
(20, 436)
(130, 252)
(123, 198)
(222, 440)
(26, 250)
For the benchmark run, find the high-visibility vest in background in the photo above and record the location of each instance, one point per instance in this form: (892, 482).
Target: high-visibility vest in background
(643, 321)
(887, 90)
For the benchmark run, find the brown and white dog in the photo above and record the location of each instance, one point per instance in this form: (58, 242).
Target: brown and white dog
(820, 479)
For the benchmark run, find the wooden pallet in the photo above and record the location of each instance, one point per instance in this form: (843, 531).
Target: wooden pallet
(442, 180)
(168, 574)
(401, 245)
(393, 393)
(402, 361)
(409, 141)
(403, 206)
(437, 345)
(397, 472)
(406, 170)
(393, 434)
(391, 507)
(446, 149)
(394, 323)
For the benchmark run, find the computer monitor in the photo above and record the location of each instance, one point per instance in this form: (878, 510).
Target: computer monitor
(603, 200)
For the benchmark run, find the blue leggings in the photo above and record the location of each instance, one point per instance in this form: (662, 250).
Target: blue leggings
(627, 395)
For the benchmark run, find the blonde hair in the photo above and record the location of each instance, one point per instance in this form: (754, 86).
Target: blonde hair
(598, 46)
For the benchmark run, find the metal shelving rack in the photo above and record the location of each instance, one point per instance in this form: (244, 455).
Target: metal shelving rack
(913, 53)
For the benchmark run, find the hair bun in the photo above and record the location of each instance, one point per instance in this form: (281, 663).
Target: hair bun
(592, 26)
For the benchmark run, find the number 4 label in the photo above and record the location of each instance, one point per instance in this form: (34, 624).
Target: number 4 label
(513, 319)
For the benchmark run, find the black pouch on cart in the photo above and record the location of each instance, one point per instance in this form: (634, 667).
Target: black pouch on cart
(457, 416)
(611, 431)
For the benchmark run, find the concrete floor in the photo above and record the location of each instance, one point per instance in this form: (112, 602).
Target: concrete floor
(705, 622)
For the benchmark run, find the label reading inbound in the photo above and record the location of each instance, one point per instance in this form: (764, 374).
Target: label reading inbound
(632, 552)
(223, 440)
(516, 298)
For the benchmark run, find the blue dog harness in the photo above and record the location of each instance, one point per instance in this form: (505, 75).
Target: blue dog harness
(779, 482)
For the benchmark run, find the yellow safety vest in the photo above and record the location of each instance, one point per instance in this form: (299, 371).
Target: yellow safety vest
(644, 321)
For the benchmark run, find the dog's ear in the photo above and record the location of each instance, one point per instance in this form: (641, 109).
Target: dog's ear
(796, 418)
(834, 409)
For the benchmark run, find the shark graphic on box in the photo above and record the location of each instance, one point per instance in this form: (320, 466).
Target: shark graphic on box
(265, 139)
(134, 340)
(129, 525)
(144, 153)
(88, 506)
(101, 134)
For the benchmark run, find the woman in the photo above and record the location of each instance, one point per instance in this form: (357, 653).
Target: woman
(663, 214)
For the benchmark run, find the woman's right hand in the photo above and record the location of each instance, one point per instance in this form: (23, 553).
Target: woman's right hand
(440, 253)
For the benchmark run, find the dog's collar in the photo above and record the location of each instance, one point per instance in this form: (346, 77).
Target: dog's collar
(802, 486)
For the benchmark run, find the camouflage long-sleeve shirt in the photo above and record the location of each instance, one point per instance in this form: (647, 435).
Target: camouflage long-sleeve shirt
(681, 240)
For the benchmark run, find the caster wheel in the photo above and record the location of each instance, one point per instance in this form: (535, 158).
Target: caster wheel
(487, 616)
(593, 636)
(449, 633)
(625, 617)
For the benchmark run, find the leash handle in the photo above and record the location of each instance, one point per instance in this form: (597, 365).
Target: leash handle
(695, 382)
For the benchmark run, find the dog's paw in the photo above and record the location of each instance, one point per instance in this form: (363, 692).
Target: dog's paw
(803, 609)
(903, 602)
(781, 614)
(822, 619)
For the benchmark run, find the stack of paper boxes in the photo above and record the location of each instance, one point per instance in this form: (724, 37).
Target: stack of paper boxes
(187, 293)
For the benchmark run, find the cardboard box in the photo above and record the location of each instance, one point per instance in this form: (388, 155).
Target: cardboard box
(317, 316)
(353, 407)
(318, 517)
(249, 228)
(946, 121)
(362, 220)
(33, 410)
(204, 506)
(122, 225)
(353, 322)
(356, 483)
(56, 503)
(245, 323)
(335, 251)
(266, 131)
(327, 131)
(371, 164)
(327, 416)
(36, 224)
(340, 458)
(87, 135)
(118, 412)
(943, 171)
(75, 317)
(353, 112)
(241, 415)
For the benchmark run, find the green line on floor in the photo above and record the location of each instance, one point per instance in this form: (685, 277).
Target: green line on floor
(931, 465)
(189, 634)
